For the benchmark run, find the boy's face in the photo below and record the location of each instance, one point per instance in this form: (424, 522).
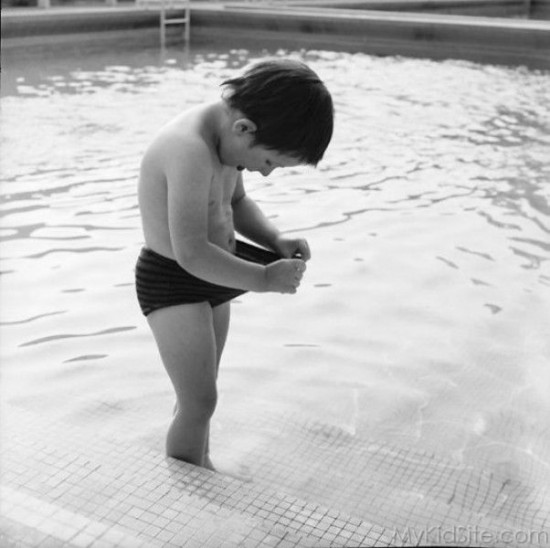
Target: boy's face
(244, 154)
(264, 160)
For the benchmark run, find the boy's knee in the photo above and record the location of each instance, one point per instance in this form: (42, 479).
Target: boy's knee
(202, 405)
(208, 403)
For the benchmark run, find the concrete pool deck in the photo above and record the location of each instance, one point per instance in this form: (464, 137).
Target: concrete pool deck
(436, 36)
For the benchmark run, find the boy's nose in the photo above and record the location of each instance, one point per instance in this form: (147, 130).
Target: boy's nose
(266, 171)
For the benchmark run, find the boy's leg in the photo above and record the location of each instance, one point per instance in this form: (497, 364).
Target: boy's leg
(187, 343)
(221, 315)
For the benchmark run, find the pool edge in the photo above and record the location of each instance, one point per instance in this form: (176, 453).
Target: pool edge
(489, 40)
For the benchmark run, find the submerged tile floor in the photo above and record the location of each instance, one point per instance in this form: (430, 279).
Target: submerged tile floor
(59, 488)
(64, 486)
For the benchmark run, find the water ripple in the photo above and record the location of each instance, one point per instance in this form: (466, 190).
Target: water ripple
(33, 318)
(86, 357)
(51, 338)
(71, 250)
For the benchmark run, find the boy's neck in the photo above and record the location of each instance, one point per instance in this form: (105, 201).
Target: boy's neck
(219, 120)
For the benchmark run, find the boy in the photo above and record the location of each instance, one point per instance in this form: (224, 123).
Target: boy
(192, 199)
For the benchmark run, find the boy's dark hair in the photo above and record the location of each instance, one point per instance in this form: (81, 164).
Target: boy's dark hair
(289, 104)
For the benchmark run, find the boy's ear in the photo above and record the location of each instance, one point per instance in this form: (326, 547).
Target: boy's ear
(243, 126)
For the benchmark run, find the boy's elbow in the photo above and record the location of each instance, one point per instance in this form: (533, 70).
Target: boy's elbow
(189, 254)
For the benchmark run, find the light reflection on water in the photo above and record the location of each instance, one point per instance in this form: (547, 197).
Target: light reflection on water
(424, 318)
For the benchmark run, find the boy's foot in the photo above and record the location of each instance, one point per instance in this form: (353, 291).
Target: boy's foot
(237, 471)
(208, 464)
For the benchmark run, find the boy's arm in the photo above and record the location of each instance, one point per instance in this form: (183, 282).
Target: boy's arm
(251, 222)
(189, 174)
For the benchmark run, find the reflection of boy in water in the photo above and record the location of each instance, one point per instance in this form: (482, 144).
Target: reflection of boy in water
(192, 200)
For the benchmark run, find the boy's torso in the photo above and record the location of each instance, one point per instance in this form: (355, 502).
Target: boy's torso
(153, 195)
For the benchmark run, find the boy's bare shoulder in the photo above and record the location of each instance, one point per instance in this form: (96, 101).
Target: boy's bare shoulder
(177, 143)
(173, 140)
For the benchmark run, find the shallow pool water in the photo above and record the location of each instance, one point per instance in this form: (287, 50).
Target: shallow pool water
(422, 325)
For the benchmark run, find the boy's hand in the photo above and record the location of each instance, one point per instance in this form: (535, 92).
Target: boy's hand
(284, 275)
(292, 247)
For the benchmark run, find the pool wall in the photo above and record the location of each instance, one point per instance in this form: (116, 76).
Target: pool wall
(540, 9)
(531, 9)
(514, 41)
(437, 36)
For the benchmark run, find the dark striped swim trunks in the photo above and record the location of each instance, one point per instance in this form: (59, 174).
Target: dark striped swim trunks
(162, 282)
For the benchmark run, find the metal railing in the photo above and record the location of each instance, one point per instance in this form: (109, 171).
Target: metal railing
(168, 17)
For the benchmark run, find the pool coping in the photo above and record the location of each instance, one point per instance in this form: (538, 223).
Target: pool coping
(435, 36)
